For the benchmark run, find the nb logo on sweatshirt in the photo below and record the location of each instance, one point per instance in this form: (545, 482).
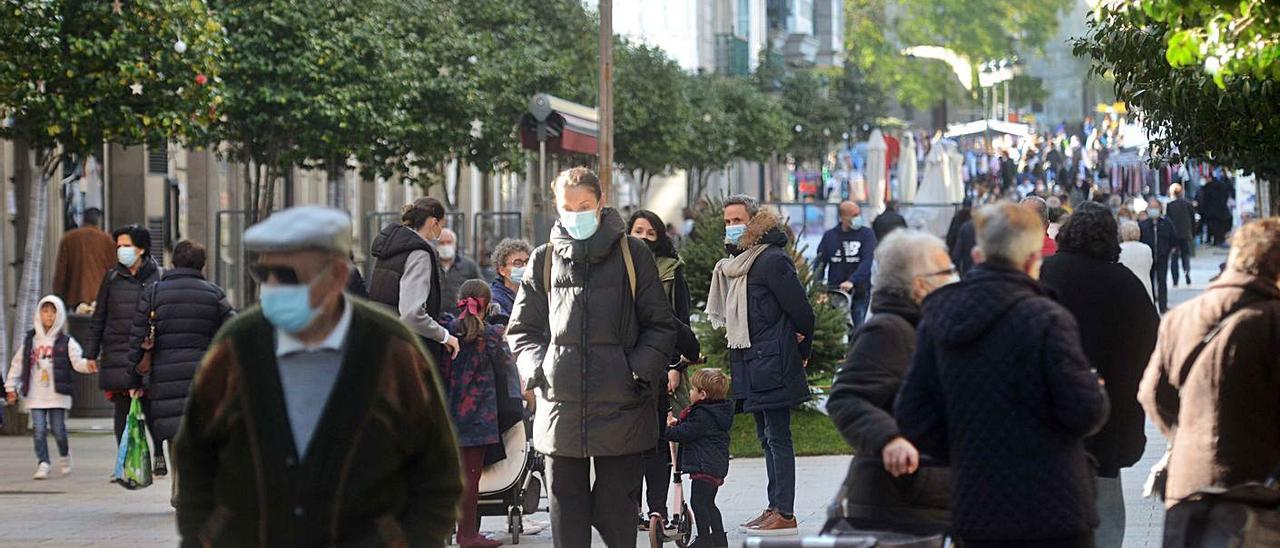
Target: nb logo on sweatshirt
(849, 253)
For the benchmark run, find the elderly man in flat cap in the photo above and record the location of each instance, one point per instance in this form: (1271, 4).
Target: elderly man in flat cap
(315, 420)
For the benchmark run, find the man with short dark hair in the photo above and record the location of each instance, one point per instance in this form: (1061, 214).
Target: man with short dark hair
(1182, 214)
(84, 255)
(1214, 375)
(315, 419)
(888, 221)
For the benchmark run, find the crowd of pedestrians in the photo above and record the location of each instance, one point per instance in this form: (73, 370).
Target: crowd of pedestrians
(994, 387)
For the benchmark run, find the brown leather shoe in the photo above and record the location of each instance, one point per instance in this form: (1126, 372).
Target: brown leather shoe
(775, 526)
(759, 519)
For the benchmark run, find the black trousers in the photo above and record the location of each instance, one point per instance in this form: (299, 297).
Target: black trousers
(657, 479)
(1082, 541)
(1160, 282)
(122, 404)
(1183, 250)
(705, 513)
(577, 505)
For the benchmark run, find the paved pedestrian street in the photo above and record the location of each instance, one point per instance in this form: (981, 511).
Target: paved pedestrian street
(84, 510)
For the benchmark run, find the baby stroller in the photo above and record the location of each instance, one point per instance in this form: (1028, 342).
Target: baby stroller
(680, 530)
(512, 487)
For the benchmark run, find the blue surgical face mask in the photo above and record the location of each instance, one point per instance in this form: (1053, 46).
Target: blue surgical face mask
(288, 306)
(517, 274)
(857, 222)
(580, 224)
(127, 255)
(733, 233)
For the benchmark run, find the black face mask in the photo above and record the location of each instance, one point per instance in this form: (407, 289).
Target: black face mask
(653, 245)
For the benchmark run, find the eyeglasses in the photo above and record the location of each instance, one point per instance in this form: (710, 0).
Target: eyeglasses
(519, 262)
(283, 275)
(950, 271)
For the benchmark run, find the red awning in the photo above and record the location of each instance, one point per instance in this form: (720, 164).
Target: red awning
(570, 128)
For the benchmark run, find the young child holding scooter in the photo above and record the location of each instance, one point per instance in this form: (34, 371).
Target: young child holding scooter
(703, 434)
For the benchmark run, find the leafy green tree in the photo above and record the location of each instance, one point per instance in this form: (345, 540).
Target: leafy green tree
(1224, 38)
(976, 29)
(650, 111)
(305, 80)
(816, 116)
(711, 130)
(77, 73)
(759, 121)
(1189, 114)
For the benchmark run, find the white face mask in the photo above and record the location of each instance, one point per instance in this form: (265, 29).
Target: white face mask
(447, 252)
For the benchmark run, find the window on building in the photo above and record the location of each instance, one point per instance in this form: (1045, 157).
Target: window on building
(158, 159)
(743, 28)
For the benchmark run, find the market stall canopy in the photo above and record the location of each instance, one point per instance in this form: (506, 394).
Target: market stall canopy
(566, 126)
(978, 127)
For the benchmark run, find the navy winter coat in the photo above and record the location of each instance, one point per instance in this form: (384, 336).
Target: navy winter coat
(770, 374)
(113, 324)
(1000, 387)
(189, 311)
(703, 434)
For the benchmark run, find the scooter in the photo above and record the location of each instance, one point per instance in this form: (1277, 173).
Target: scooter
(682, 521)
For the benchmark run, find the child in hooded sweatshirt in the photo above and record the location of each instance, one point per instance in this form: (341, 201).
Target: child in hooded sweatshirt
(703, 434)
(41, 374)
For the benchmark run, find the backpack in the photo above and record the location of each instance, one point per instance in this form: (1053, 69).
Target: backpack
(626, 258)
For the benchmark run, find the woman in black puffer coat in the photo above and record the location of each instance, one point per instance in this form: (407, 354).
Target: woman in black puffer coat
(188, 312)
(108, 338)
(593, 351)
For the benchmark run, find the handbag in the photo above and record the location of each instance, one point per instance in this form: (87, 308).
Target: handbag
(149, 342)
(1154, 488)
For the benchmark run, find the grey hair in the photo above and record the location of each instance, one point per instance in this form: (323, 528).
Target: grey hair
(1008, 233)
(743, 200)
(1130, 231)
(901, 257)
(506, 248)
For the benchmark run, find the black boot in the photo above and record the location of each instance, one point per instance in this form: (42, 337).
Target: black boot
(715, 540)
(160, 469)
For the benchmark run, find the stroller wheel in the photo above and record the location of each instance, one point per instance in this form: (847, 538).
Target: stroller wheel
(657, 536)
(515, 523)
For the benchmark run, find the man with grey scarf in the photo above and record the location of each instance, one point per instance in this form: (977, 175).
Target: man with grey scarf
(757, 296)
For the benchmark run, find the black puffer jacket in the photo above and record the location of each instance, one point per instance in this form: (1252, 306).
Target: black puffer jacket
(605, 352)
(703, 434)
(1000, 387)
(112, 324)
(861, 405)
(1118, 327)
(189, 311)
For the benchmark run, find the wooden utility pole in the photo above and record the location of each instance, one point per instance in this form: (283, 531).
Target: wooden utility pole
(605, 104)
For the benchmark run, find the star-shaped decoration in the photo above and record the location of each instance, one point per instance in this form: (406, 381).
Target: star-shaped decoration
(443, 71)
(136, 88)
(117, 7)
(40, 86)
(477, 129)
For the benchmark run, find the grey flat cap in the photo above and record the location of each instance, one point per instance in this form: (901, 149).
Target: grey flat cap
(299, 228)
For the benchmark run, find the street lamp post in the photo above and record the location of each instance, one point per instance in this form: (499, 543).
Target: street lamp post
(605, 142)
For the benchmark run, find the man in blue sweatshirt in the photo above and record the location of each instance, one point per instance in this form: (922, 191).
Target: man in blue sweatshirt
(845, 253)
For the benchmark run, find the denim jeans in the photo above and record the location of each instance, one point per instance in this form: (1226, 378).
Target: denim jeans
(773, 427)
(45, 420)
(858, 310)
(1110, 500)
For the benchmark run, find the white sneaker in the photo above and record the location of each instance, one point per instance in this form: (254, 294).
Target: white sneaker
(42, 471)
(64, 465)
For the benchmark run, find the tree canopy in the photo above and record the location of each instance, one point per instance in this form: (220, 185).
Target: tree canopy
(1224, 38)
(650, 109)
(76, 73)
(1231, 120)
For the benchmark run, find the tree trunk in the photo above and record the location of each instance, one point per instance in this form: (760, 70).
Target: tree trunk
(37, 221)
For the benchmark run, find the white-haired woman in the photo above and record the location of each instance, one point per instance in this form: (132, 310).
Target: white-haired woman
(886, 488)
(1135, 255)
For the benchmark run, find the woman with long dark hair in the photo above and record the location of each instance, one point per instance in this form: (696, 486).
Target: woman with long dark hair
(674, 397)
